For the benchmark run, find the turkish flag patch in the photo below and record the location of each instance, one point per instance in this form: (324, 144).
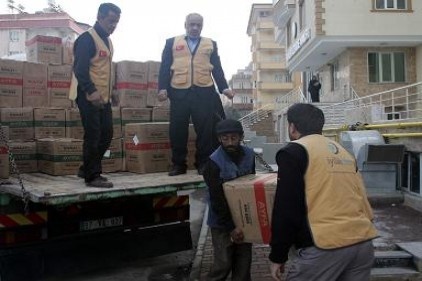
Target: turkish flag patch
(102, 54)
(180, 47)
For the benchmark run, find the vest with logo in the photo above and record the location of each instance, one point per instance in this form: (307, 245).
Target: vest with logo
(230, 171)
(191, 68)
(339, 213)
(100, 69)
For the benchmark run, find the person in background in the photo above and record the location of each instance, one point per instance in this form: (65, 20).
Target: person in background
(314, 88)
(320, 207)
(189, 66)
(91, 87)
(231, 160)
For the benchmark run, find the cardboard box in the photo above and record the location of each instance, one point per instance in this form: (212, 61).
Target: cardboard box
(20, 122)
(251, 200)
(114, 162)
(35, 85)
(67, 48)
(160, 114)
(58, 82)
(44, 49)
(153, 73)
(11, 73)
(25, 154)
(74, 128)
(147, 147)
(4, 162)
(4, 132)
(131, 83)
(49, 123)
(117, 122)
(135, 115)
(59, 157)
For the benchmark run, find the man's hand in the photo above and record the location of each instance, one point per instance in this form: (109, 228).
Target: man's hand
(228, 93)
(162, 95)
(276, 270)
(237, 235)
(96, 99)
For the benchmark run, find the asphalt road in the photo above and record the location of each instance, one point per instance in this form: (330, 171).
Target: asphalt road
(174, 266)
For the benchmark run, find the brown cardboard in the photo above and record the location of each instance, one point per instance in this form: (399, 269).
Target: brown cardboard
(58, 82)
(4, 161)
(67, 48)
(11, 73)
(44, 49)
(59, 156)
(160, 114)
(49, 123)
(4, 132)
(25, 155)
(20, 122)
(153, 73)
(117, 122)
(147, 147)
(135, 115)
(251, 200)
(74, 128)
(131, 83)
(34, 85)
(114, 162)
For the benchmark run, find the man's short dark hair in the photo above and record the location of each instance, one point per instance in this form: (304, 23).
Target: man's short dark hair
(307, 118)
(105, 8)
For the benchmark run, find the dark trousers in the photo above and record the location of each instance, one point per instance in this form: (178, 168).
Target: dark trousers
(314, 96)
(98, 132)
(229, 257)
(203, 105)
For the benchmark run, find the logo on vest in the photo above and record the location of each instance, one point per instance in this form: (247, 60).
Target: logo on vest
(180, 48)
(102, 54)
(332, 148)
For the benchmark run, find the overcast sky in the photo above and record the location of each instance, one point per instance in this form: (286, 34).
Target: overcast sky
(145, 24)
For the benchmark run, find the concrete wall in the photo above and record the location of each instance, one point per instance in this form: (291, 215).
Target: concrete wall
(419, 63)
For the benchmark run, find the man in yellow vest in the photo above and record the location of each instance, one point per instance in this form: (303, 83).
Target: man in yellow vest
(189, 67)
(91, 88)
(320, 207)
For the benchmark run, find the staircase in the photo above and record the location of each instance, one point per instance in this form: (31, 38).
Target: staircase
(402, 262)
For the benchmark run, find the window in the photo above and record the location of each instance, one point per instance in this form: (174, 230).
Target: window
(386, 67)
(334, 73)
(14, 36)
(391, 4)
(264, 14)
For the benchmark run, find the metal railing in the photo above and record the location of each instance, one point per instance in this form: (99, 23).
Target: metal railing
(256, 115)
(404, 103)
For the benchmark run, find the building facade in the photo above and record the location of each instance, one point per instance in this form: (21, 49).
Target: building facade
(357, 48)
(241, 84)
(271, 79)
(16, 29)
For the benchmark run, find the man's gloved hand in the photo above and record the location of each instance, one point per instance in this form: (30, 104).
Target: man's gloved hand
(237, 235)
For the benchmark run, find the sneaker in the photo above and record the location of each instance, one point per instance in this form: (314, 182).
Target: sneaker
(98, 182)
(177, 170)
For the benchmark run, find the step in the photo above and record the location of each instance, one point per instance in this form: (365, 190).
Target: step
(392, 259)
(395, 274)
(415, 249)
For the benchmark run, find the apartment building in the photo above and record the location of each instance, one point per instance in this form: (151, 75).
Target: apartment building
(356, 47)
(271, 79)
(16, 29)
(241, 84)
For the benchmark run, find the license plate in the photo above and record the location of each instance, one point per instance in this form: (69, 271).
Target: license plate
(101, 223)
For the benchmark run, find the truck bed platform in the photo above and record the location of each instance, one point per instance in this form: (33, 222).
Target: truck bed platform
(55, 190)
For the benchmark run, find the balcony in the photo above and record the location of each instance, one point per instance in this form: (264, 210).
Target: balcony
(274, 86)
(268, 45)
(265, 25)
(272, 65)
(283, 11)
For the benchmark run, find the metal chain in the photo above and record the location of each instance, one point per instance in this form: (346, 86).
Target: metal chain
(15, 170)
(261, 160)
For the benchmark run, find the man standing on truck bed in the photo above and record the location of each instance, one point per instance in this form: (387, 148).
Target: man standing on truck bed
(92, 88)
(189, 66)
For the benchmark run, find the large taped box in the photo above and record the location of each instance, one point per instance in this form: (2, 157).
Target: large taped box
(44, 49)
(58, 82)
(59, 157)
(35, 92)
(251, 200)
(74, 128)
(49, 123)
(147, 147)
(11, 73)
(25, 154)
(20, 122)
(113, 158)
(132, 83)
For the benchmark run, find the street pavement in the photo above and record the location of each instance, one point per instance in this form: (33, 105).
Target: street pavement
(395, 223)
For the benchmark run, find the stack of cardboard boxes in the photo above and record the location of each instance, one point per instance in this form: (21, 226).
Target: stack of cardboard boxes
(44, 129)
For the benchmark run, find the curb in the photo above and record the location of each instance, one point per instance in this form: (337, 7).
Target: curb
(195, 273)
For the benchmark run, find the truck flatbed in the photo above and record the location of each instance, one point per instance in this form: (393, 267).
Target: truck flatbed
(55, 190)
